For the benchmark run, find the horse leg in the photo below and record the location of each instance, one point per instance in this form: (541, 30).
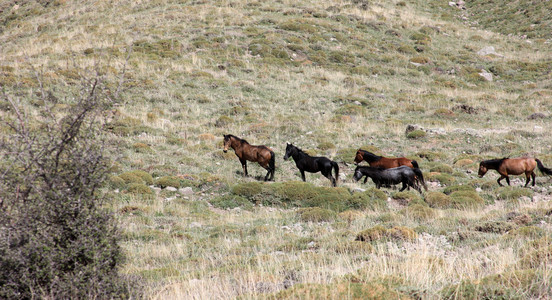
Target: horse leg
(508, 180)
(528, 177)
(302, 175)
(499, 179)
(244, 166)
(533, 176)
(267, 174)
(365, 179)
(403, 186)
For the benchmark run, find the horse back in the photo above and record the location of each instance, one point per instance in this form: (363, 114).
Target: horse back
(259, 153)
(518, 166)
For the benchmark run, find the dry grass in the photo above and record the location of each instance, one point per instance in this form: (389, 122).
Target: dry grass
(191, 65)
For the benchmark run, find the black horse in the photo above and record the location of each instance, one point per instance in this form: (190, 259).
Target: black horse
(409, 177)
(312, 164)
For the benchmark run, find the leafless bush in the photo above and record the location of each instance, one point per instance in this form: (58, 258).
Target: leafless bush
(56, 240)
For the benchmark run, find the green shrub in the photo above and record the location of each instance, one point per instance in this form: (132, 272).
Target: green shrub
(416, 134)
(247, 189)
(130, 177)
(139, 188)
(438, 200)
(231, 201)
(223, 121)
(379, 232)
(116, 182)
(372, 199)
(346, 155)
(405, 197)
(454, 188)
(316, 214)
(441, 168)
(466, 200)
(419, 212)
(495, 227)
(166, 181)
(514, 193)
(532, 232)
(445, 179)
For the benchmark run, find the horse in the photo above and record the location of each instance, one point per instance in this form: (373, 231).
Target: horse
(244, 151)
(383, 162)
(312, 164)
(409, 177)
(513, 166)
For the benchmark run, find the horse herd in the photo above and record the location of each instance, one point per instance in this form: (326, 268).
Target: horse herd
(382, 170)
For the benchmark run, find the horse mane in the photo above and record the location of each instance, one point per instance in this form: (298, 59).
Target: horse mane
(493, 163)
(371, 156)
(299, 150)
(239, 139)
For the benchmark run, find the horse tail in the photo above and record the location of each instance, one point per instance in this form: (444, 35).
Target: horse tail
(415, 164)
(420, 177)
(542, 168)
(336, 169)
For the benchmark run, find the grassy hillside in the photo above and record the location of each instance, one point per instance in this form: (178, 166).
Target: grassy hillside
(331, 77)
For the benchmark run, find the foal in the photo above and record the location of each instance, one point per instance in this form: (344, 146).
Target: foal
(312, 164)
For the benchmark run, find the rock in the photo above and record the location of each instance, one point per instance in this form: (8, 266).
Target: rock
(412, 127)
(171, 189)
(479, 190)
(452, 4)
(488, 76)
(186, 191)
(358, 190)
(155, 189)
(488, 51)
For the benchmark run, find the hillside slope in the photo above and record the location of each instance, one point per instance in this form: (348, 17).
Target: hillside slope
(330, 76)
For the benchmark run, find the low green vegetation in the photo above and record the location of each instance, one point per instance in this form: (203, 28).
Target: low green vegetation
(396, 78)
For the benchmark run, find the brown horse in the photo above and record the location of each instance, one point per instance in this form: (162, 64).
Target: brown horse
(244, 151)
(383, 162)
(513, 166)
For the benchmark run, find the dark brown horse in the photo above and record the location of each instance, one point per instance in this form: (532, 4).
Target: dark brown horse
(244, 151)
(513, 166)
(383, 162)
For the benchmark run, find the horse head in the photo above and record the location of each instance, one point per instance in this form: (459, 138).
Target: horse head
(358, 157)
(358, 174)
(482, 170)
(226, 142)
(290, 150)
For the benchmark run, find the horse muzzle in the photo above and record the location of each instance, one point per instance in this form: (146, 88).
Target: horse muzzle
(224, 150)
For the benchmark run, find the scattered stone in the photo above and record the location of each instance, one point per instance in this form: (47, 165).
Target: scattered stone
(155, 189)
(412, 127)
(479, 190)
(465, 109)
(171, 189)
(186, 191)
(486, 51)
(358, 190)
(486, 75)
